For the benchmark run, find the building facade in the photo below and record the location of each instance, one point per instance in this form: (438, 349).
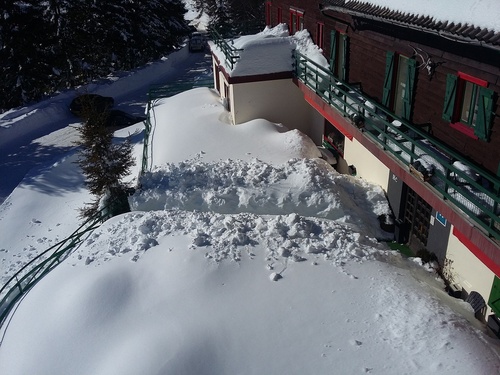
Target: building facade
(410, 103)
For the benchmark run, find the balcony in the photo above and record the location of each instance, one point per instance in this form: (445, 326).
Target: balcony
(472, 190)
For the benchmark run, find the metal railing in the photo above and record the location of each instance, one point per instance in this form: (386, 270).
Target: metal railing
(156, 92)
(469, 187)
(231, 53)
(24, 279)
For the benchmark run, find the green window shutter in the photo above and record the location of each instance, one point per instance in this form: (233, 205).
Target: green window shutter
(333, 49)
(344, 60)
(494, 300)
(410, 88)
(484, 113)
(449, 97)
(389, 73)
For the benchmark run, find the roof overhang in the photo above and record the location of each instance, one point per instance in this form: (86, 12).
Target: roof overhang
(459, 33)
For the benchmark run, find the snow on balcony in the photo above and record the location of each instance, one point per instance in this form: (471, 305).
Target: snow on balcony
(267, 52)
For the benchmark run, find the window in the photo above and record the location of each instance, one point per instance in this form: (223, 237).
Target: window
(280, 16)
(268, 14)
(400, 94)
(227, 98)
(338, 54)
(399, 84)
(319, 34)
(296, 20)
(468, 105)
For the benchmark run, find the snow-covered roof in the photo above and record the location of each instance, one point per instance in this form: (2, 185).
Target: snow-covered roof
(473, 19)
(269, 51)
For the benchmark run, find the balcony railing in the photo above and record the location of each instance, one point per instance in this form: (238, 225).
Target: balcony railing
(470, 188)
(231, 53)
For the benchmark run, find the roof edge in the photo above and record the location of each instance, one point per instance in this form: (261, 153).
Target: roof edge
(462, 33)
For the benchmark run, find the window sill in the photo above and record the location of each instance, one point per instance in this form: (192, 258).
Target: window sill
(462, 128)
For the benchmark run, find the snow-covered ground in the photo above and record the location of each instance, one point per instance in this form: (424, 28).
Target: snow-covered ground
(244, 254)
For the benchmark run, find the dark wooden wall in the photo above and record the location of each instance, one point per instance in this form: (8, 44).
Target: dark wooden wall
(368, 43)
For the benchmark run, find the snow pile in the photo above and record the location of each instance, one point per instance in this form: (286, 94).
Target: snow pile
(269, 51)
(192, 125)
(308, 186)
(306, 46)
(226, 294)
(229, 237)
(467, 170)
(482, 13)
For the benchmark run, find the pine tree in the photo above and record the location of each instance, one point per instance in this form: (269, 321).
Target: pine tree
(233, 17)
(104, 165)
(46, 45)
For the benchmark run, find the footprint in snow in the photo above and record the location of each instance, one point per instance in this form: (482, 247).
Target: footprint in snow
(355, 342)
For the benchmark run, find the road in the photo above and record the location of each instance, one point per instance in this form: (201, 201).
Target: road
(37, 135)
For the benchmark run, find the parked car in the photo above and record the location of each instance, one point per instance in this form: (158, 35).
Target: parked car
(196, 42)
(120, 119)
(90, 102)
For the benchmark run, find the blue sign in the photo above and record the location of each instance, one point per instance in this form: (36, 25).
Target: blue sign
(441, 218)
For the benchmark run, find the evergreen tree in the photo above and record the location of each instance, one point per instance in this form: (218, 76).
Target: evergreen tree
(249, 15)
(233, 17)
(220, 19)
(46, 45)
(25, 52)
(104, 165)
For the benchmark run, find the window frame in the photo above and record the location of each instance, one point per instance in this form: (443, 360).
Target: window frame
(320, 34)
(339, 42)
(296, 20)
(391, 84)
(269, 14)
(477, 126)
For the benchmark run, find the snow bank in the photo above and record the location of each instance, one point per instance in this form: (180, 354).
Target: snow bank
(269, 51)
(192, 125)
(198, 299)
(227, 237)
(308, 186)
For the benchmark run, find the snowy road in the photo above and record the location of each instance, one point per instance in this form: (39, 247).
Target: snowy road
(36, 135)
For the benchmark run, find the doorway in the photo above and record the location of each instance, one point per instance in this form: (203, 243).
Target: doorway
(417, 217)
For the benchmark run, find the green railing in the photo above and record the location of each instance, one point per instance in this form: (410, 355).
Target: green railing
(158, 92)
(24, 279)
(231, 53)
(469, 187)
